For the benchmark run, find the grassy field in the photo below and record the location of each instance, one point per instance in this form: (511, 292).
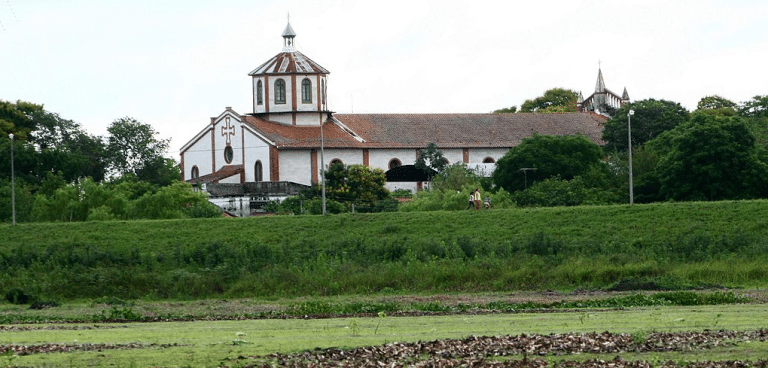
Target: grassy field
(220, 343)
(203, 272)
(668, 245)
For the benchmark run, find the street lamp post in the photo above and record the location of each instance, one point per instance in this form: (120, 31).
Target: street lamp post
(525, 171)
(13, 185)
(629, 138)
(322, 165)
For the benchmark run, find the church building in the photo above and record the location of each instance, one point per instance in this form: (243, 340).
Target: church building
(290, 134)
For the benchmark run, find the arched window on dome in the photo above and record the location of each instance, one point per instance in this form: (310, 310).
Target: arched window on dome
(195, 173)
(393, 163)
(306, 91)
(279, 91)
(259, 93)
(488, 160)
(258, 172)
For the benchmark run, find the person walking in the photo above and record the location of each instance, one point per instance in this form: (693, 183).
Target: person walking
(471, 200)
(477, 199)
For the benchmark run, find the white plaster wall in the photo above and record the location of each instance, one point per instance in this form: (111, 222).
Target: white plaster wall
(296, 166)
(221, 140)
(308, 118)
(234, 179)
(285, 119)
(477, 155)
(380, 157)
(453, 155)
(255, 149)
(198, 154)
(347, 156)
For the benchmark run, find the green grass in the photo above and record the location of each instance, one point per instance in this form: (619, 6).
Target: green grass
(669, 245)
(203, 343)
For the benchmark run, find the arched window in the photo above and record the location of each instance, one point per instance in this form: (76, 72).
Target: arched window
(336, 161)
(306, 91)
(280, 91)
(258, 172)
(229, 154)
(488, 160)
(195, 173)
(393, 163)
(259, 93)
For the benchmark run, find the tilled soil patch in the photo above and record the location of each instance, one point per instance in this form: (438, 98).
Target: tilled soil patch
(477, 351)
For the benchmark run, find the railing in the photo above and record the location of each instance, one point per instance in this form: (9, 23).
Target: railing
(253, 189)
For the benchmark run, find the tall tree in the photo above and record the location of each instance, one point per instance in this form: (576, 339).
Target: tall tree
(431, 160)
(17, 118)
(651, 118)
(712, 157)
(542, 156)
(134, 147)
(553, 100)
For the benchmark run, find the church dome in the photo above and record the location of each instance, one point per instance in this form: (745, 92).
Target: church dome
(290, 61)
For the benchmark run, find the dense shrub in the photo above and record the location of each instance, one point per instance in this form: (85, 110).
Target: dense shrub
(18, 296)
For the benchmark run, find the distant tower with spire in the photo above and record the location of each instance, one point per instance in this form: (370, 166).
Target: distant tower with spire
(603, 101)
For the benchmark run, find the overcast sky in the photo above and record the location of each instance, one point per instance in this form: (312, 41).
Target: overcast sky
(175, 64)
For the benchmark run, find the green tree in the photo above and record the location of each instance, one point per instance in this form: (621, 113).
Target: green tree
(506, 110)
(756, 107)
(553, 100)
(566, 156)
(711, 158)
(358, 185)
(133, 148)
(455, 177)
(17, 118)
(47, 143)
(714, 102)
(431, 160)
(651, 118)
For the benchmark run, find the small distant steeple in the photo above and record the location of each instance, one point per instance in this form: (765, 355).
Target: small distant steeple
(288, 35)
(625, 95)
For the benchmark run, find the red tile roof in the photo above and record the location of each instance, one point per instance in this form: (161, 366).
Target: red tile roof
(223, 173)
(417, 130)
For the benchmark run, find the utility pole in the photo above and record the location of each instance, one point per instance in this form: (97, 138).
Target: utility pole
(13, 185)
(629, 137)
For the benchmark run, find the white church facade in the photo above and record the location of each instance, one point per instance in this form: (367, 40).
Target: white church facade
(290, 135)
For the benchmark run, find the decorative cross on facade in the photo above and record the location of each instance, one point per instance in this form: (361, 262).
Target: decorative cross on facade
(228, 130)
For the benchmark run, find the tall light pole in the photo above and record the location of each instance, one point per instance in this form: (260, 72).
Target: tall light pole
(629, 138)
(322, 165)
(13, 185)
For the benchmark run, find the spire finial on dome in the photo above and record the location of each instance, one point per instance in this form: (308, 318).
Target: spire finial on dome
(288, 35)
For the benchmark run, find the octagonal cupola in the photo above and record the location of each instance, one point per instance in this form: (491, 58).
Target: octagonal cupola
(290, 88)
